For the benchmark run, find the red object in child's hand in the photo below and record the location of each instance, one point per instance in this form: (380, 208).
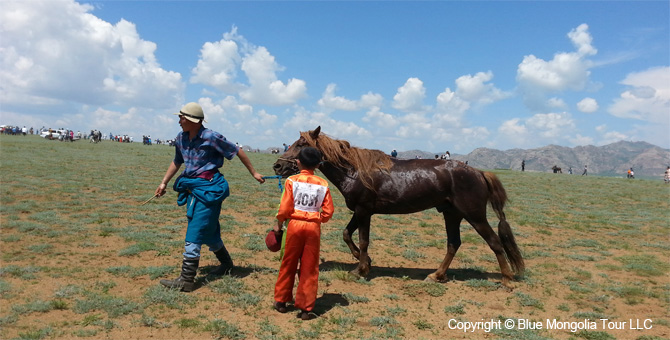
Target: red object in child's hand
(273, 240)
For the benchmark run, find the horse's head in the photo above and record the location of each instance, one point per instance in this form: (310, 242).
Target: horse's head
(286, 166)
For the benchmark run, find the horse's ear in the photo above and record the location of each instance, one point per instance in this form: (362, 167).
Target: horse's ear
(315, 134)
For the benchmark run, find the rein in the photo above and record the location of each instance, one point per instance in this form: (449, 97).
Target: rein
(278, 177)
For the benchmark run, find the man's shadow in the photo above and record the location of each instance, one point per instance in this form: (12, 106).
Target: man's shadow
(323, 303)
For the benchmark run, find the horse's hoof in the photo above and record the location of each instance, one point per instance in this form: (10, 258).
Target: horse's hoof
(354, 273)
(507, 286)
(434, 278)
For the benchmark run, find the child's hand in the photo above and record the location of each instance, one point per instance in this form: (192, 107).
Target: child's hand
(277, 228)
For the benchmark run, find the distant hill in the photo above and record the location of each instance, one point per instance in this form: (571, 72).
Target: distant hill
(647, 160)
(614, 159)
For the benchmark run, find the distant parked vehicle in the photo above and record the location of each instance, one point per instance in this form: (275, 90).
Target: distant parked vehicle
(53, 134)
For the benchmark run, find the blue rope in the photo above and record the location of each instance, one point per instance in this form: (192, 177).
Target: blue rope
(278, 177)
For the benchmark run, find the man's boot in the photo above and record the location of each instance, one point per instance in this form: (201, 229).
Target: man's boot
(186, 280)
(226, 262)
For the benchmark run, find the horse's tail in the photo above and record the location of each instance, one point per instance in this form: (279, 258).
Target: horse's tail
(498, 198)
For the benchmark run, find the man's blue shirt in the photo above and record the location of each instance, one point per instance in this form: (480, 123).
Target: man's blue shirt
(204, 153)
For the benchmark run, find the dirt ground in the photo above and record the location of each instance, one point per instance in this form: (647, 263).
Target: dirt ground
(393, 290)
(574, 278)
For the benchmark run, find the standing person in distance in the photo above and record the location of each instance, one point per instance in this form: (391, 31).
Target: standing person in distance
(203, 188)
(306, 202)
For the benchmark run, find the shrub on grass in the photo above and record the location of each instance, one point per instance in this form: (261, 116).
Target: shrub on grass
(227, 285)
(455, 309)
(24, 273)
(645, 265)
(245, 300)
(114, 306)
(171, 298)
(222, 329)
(430, 288)
(527, 300)
(355, 298)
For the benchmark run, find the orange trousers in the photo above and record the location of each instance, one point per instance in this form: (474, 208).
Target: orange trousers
(303, 243)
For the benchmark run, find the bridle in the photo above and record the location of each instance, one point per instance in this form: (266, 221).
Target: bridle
(286, 159)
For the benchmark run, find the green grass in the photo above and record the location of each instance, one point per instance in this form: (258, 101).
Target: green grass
(75, 240)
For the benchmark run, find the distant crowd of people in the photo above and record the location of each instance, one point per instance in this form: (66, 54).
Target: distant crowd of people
(446, 155)
(62, 134)
(14, 130)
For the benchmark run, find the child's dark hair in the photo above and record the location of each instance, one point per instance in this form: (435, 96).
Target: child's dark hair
(310, 157)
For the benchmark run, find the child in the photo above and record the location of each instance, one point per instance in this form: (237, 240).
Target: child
(304, 195)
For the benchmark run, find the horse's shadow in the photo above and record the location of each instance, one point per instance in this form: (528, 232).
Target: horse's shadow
(328, 301)
(412, 273)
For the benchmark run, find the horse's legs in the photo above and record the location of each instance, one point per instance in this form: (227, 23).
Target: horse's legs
(484, 230)
(346, 235)
(452, 223)
(364, 261)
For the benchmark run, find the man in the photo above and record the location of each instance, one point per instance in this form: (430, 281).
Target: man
(204, 188)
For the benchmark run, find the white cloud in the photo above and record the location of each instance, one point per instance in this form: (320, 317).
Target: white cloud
(217, 66)
(467, 137)
(513, 132)
(551, 125)
(556, 103)
(329, 101)
(581, 140)
(537, 130)
(475, 89)
(304, 120)
(377, 117)
(220, 61)
(648, 97)
(414, 125)
(587, 105)
(513, 127)
(410, 96)
(371, 100)
(452, 105)
(450, 108)
(613, 137)
(581, 38)
(566, 71)
(55, 52)
(646, 100)
(264, 88)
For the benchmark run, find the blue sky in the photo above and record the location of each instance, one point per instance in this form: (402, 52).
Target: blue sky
(433, 76)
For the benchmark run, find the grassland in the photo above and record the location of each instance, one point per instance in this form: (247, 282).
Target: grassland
(81, 258)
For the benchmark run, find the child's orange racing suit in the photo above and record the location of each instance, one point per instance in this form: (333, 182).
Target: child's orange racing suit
(304, 195)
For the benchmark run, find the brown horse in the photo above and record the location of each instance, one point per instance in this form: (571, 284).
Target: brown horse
(374, 183)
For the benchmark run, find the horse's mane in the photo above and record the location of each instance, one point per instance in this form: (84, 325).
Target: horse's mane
(341, 154)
